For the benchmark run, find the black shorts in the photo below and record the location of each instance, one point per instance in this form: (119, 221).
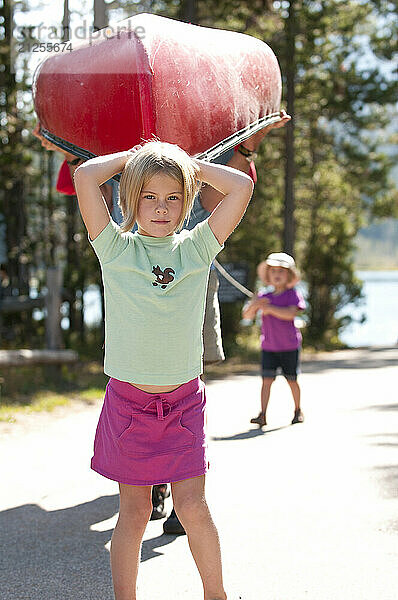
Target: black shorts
(288, 362)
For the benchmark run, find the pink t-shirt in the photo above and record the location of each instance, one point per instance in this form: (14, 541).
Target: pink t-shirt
(278, 335)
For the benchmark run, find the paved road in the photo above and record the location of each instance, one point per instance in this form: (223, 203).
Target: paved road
(305, 512)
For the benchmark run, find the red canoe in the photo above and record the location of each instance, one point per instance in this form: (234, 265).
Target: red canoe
(197, 87)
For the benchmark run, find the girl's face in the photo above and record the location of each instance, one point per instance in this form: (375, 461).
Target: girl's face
(159, 206)
(278, 277)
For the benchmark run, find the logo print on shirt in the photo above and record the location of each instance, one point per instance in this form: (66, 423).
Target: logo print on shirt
(163, 277)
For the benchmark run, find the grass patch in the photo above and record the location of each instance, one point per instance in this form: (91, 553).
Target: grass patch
(48, 401)
(92, 395)
(43, 388)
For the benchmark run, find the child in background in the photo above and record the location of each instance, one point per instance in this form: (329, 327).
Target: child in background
(280, 339)
(151, 428)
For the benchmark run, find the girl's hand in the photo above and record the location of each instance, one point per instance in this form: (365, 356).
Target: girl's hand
(131, 152)
(263, 301)
(251, 309)
(264, 305)
(135, 148)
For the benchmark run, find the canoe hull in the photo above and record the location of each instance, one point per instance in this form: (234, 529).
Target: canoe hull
(185, 84)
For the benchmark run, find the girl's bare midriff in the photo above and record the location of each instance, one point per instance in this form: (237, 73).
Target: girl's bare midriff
(156, 389)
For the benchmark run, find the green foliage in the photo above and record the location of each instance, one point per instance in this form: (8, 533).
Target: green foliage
(342, 176)
(344, 100)
(343, 96)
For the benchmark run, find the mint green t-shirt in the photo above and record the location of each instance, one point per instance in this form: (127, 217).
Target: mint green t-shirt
(155, 292)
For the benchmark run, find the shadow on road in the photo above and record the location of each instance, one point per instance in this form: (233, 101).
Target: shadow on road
(381, 407)
(55, 554)
(149, 546)
(360, 358)
(320, 366)
(245, 435)
(383, 439)
(388, 477)
(387, 474)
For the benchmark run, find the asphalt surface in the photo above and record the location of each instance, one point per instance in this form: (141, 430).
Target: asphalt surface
(304, 512)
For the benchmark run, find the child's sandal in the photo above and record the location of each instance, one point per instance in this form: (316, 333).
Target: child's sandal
(298, 417)
(260, 420)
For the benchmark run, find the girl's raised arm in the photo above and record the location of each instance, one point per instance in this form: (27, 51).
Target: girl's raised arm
(249, 311)
(88, 178)
(237, 188)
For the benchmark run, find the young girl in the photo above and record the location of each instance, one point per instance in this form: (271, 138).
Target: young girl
(151, 429)
(280, 339)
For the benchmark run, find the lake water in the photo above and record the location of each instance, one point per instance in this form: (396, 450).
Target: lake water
(380, 307)
(380, 289)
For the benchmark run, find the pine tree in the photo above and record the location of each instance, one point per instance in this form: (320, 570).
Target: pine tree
(15, 160)
(339, 174)
(339, 171)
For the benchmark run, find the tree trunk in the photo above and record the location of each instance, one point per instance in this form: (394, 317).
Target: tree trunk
(72, 261)
(18, 358)
(100, 14)
(81, 324)
(189, 11)
(66, 22)
(289, 224)
(14, 201)
(52, 237)
(53, 306)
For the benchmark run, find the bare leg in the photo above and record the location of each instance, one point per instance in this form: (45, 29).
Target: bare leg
(295, 388)
(265, 393)
(191, 508)
(135, 510)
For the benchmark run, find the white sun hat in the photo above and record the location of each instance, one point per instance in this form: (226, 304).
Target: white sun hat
(281, 259)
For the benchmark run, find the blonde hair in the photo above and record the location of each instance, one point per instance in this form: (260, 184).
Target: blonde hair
(263, 274)
(153, 158)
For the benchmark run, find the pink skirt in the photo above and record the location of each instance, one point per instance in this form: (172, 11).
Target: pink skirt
(148, 439)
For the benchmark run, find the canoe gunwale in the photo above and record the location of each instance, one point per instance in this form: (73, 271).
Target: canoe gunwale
(67, 146)
(208, 155)
(238, 137)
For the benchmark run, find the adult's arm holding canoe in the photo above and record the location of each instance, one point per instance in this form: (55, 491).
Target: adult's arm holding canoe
(50, 146)
(72, 162)
(88, 178)
(237, 189)
(211, 197)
